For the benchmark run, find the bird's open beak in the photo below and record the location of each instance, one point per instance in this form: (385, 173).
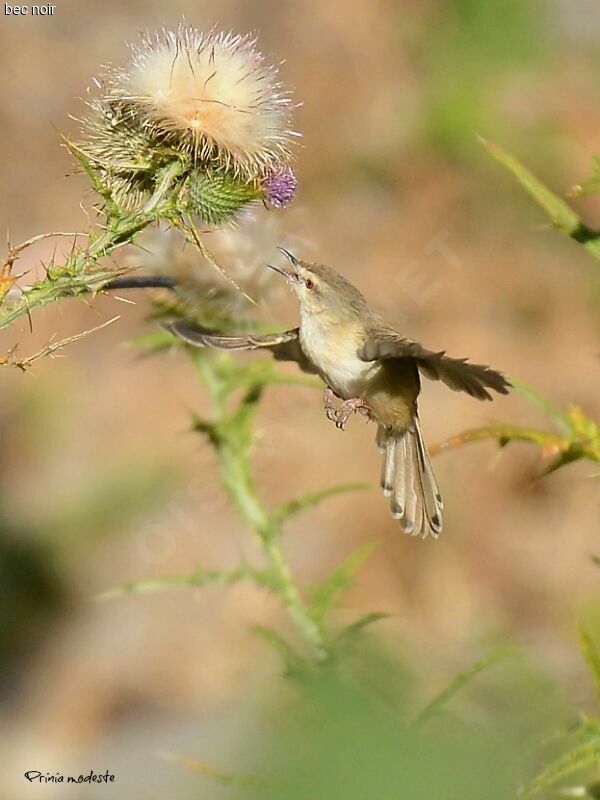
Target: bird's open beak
(287, 275)
(292, 259)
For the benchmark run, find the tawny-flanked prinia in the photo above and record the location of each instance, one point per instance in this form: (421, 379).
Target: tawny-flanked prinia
(374, 370)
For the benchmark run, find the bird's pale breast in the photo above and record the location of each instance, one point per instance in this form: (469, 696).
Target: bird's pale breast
(333, 349)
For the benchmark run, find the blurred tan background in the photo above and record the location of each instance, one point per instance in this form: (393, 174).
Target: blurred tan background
(100, 481)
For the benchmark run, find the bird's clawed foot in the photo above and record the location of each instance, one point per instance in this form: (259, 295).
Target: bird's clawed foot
(328, 396)
(349, 407)
(346, 409)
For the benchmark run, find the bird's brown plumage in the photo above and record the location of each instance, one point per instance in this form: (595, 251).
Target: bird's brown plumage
(359, 355)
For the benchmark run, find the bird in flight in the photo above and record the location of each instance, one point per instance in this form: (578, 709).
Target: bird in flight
(374, 370)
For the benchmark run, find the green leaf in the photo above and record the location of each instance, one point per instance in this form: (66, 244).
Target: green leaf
(206, 427)
(242, 418)
(352, 632)
(293, 507)
(294, 663)
(198, 578)
(326, 595)
(504, 433)
(540, 401)
(561, 214)
(80, 156)
(439, 702)
(584, 755)
(591, 655)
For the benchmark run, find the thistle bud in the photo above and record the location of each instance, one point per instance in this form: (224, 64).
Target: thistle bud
(217, 197)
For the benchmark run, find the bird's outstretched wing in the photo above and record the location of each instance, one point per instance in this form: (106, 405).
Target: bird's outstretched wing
(284, 346)
(457, 373)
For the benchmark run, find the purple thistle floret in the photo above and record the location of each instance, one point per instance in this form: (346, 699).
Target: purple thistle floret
(280, 187)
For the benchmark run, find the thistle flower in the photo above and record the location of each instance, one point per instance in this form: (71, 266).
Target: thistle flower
(279, 189)
(207, 102)
(210, 94)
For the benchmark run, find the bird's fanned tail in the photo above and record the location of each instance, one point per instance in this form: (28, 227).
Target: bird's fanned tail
(407, 477)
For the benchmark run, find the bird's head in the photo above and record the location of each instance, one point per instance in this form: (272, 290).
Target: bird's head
(321, 289)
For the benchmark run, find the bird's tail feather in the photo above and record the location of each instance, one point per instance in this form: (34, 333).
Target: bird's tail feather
(407, 477)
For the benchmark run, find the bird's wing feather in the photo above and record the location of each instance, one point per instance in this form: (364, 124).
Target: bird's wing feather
(205, 337)
(457, 373)
(284, 346)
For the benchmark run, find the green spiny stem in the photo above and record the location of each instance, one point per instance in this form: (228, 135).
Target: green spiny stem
(50, 291)
(291, 596)
(232, 450)
(78, 274)
(241, 488)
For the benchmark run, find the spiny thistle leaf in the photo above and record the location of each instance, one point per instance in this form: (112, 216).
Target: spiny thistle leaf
(326, 595)
(541, 402)
(591, 655)
(293, 507)
(247, 408)
(218, 197)
(585, 754)
(197, 579)
(87, 165)
(565, 449)
(561, 214)
(582, 425)
(505, 433)
(439, 702)
(351, 633)
(294, 663)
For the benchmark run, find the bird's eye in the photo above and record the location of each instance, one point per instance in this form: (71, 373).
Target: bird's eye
(309, 284)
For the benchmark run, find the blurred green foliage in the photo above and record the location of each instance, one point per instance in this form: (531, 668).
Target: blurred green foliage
(576, 436)
(32, 595)
(563, 217)
(471, 48)
(341, 743)
(36, 547)
(356, 732)
(576, 757)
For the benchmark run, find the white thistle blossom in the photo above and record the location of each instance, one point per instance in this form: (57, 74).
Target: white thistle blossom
(210, 95)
